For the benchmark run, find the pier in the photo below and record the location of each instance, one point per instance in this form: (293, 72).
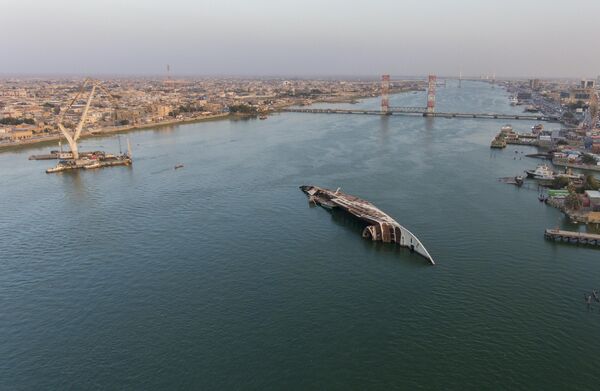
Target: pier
(566, 163)
(417, 111)
(572, 237)
(380, 226)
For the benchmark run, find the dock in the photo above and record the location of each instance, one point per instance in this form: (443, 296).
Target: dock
(585, 167)
(380, 226)
(572, 237)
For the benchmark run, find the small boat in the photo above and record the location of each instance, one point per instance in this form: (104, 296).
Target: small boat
(262, 116)
(513, 100)
(498, 142)
(519, 180)
(178, 166)
(537, 129)
(62, 165)
(568, 174)
(542, 172)
(532, 109)
(595, 293)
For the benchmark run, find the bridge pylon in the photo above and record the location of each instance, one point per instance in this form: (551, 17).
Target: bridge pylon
(385, 93)
(431, 94)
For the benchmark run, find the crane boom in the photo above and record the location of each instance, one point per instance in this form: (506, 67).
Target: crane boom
(84, 114)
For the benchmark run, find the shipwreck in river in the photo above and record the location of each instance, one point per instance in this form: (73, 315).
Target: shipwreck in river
(380, 226)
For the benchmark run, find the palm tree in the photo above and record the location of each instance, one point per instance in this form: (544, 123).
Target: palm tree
(572, 201)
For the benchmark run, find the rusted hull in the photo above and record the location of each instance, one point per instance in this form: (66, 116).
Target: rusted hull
(381, 227)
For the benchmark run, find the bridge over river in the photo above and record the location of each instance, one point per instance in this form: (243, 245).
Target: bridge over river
(418, 111)
(428, 111)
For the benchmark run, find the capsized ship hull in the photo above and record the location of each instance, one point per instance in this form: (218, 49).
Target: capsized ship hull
(381, 227)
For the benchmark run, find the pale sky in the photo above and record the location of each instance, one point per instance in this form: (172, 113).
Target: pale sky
(543, 38)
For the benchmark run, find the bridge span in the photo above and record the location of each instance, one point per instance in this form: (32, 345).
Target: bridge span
(416, 111)
(428, 111)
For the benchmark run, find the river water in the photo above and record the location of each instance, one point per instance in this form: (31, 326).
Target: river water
(220, 276)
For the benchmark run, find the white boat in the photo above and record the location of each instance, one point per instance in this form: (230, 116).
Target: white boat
(513, 100)
(541, 172)
(62, 165)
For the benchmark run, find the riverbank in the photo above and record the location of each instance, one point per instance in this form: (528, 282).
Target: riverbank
(128, 128)
(111, 130)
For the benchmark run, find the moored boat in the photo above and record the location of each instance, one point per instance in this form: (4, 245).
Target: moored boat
(498, 142)
(542, 172)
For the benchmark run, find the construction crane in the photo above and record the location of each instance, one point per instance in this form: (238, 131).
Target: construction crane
(74, 137)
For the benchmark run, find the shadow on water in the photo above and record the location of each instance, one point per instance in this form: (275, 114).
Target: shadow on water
(346, 220)
(74, 180)
(429, 124)
(384, 129)
(356, 225)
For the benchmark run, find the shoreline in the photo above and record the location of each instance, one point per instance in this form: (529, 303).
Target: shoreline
(37, 142)
(109, 131)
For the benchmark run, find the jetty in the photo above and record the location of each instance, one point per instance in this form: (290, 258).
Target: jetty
(380, 226)
(572, 237)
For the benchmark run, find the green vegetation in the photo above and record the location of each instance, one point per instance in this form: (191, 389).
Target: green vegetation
(591, 183)
(560, 183)
(243, 109)
(185, 109)
(189, 108)
(17, 121)
(572, 201)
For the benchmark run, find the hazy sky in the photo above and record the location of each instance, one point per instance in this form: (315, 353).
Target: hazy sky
(306, 37)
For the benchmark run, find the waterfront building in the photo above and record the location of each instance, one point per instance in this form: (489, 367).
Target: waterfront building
(18, 134)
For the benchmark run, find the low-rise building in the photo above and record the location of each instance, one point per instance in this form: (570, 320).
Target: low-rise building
(17, 134)
(594, 197)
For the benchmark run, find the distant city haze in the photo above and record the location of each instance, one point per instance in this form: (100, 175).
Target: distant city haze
(301, 38)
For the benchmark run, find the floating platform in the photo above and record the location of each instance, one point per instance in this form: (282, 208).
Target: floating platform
(67, 165)
(57, 155)
(381, 227)
(572, 237)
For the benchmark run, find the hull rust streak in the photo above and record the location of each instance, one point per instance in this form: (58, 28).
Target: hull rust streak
(381, 227)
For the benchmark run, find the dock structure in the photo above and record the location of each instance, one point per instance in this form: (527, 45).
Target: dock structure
(380, 226)
(566, 163)
(417, 111)
(572, 237)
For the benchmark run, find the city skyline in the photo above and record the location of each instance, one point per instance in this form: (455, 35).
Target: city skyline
(292, 38)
